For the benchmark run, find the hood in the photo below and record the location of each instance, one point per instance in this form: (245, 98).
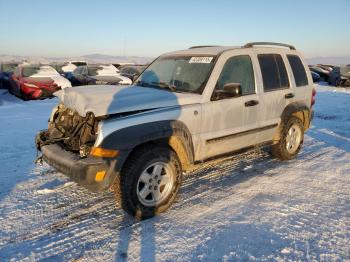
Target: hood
(106, 99)
(61, 81)
(49, 81)
(40, 81)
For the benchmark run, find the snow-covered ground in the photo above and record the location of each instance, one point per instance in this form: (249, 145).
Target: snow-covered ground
(245, 207)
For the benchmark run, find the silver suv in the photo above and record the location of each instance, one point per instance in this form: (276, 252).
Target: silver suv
(186, 107)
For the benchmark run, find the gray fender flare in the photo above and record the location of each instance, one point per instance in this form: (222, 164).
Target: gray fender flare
(300, 110)
(174, 133)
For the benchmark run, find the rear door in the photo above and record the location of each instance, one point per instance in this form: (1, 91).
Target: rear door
(301, 88)
(276, 92)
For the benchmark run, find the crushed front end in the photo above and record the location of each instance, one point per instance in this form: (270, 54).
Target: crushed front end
(66, 146)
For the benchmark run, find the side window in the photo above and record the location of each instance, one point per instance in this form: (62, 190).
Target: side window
(298, 70)
(77, 70)
(238, 69)
(17, 72)
(273, 72)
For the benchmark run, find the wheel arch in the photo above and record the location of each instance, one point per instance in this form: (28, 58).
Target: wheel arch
(172, 133)
(297, 109)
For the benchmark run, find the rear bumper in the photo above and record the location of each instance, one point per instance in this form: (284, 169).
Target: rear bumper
(37, 93)
(81, 170)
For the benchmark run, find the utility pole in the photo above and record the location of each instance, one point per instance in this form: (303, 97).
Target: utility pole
(124, 46)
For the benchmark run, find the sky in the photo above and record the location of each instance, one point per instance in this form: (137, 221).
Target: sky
(61, 28)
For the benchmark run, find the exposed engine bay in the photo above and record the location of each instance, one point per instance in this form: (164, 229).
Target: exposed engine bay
(72, 131)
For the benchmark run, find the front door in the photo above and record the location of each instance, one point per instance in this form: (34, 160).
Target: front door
(229, 124)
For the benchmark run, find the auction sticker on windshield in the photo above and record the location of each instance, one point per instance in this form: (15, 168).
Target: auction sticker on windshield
(201, 60)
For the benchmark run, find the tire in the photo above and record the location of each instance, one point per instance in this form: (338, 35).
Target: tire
(23, 96)
(139, 190)
(291, 139)
(10, 89)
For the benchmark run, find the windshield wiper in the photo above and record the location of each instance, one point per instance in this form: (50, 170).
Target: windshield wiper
(161, 85)
(164, 85)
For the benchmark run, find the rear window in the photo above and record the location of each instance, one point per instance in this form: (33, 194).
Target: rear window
(298, 70)
(79, 63)
(8, 68)
(80, 70)
(273, 72)
(30, 70)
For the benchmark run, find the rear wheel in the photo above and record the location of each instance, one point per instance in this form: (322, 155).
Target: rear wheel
(291, 139)
(149, 182)
(10, 89)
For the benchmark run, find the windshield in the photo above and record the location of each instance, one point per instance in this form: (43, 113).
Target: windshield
(93, 71)
(178, 74)
(8, 68)
(79, 63)
(30, 70)
(58, 68)
(47, 70)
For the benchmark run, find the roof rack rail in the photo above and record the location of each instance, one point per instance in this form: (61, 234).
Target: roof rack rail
(201, 46)
(248, 45)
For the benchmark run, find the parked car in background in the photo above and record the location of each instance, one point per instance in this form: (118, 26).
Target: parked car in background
(324, 74)
(315, 77)
(345, 71)
(97, 75)
(328, 73)
(345, 75)
(334, 77)
(36, 81)
(72, 65)
(6, 71)
(132, 71)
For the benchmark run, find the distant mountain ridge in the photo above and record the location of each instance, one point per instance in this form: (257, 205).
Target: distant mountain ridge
(91, 58)
(329, 60)
(102, 58)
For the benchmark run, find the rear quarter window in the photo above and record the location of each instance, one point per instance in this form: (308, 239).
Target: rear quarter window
(298, 70)
(273, 72)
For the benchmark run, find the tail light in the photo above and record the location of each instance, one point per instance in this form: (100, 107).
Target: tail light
(30, 85)
(313, 97)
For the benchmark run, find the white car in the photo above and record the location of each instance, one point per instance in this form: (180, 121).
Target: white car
(111, 70)
(97, 75)
(49, 72)
(72, 65)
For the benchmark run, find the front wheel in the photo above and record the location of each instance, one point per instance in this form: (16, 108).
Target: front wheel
(291, 139)
(149, 182)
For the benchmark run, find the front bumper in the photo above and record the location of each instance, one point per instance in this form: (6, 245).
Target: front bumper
(81, 170)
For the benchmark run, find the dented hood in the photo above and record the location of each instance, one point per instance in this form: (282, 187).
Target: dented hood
(107, 99)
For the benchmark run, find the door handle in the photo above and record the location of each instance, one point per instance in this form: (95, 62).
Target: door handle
(251, 103)
(290, 95)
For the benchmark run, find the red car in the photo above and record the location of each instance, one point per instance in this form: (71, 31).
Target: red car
(34, 82)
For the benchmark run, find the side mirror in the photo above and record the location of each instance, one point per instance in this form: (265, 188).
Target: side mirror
(230, 90)
(234, 88)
